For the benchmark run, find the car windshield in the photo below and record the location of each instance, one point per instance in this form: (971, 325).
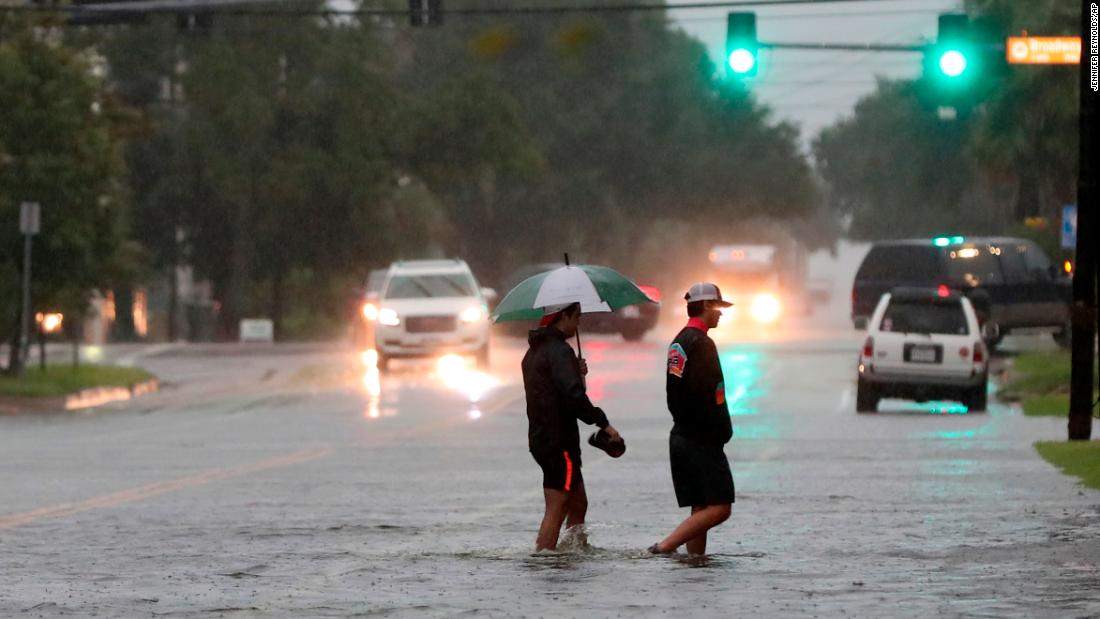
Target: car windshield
(922, 316)
(973, 265)
(427, 286)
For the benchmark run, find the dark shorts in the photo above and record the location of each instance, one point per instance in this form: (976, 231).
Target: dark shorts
(700, 473)
(560, 470)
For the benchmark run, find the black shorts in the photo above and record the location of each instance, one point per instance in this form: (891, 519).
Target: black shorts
(560, 470)
(700, 473)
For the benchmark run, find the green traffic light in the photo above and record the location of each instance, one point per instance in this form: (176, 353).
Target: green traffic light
(952, 63)
(742, 61)
(944, 241)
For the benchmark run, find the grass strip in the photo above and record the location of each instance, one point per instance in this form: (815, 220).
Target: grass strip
(1040, 382)
(58, 380)
(1077, 458)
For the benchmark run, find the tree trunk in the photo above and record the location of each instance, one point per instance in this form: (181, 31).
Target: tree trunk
(123, 328)
(41, 350)
(1027, 197)
(278, 283)
(15, 359)
(239, 264)
(173, 299)
(76, 332)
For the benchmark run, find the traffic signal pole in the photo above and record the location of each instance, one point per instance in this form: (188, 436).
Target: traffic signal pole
(1083, 347)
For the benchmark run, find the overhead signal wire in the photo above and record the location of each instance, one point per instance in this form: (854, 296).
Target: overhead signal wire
(155, 6)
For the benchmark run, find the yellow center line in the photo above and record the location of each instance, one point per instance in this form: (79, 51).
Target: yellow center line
(160, 487)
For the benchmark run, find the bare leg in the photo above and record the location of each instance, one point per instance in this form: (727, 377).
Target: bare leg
(698, 544)
(702, 519)
(552, 519)
(576, 506)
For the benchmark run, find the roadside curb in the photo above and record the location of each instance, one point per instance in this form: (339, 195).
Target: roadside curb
(237, 349)
(85, 398)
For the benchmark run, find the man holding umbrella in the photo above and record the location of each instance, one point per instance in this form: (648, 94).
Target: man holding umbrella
(696, 396)
(556, 399)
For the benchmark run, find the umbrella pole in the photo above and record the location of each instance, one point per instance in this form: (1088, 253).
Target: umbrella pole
(584, 379)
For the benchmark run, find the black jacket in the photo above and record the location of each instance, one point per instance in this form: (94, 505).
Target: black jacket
(555, 394)
(695, 389)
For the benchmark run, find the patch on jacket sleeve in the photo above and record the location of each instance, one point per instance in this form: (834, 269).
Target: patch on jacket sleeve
(720, 393)
(677, 359)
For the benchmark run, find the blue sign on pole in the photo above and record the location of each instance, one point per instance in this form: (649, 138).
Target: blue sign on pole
(1069, 226)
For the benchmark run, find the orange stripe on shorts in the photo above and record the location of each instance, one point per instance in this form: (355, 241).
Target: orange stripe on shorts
(568, 471)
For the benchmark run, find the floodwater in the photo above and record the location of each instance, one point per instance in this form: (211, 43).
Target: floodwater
(412, 494)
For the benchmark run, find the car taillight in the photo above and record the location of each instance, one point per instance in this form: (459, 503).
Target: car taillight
(979, 352)
(869, 347)
(943, 290)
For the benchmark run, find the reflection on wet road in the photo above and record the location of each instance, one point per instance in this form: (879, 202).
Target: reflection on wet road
(418, 498)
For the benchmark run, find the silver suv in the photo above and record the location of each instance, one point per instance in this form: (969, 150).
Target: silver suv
(431, 307)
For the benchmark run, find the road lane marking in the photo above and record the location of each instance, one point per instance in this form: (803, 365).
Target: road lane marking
(130, 359)
(161, 487)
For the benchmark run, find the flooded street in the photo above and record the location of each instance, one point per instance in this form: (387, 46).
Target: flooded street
(309, 485)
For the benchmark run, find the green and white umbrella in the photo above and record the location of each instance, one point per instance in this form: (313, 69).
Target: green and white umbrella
(596, 288)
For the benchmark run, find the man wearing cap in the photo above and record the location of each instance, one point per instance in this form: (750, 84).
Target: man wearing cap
(695, 391)
(556, 399)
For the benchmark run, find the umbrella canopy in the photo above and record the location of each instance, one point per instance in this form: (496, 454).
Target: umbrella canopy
(596, 288)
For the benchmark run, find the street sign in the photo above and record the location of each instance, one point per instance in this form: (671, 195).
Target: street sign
(257, 330)
(1069, 226)
(1043, 50)
(30, 221)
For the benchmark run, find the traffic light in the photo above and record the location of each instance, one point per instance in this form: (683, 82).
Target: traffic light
(742, 48)
(965, 65)
(953, 56)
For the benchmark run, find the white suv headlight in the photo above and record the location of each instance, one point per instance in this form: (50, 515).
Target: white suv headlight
(472, 314)
(388, 317)
(370, 311)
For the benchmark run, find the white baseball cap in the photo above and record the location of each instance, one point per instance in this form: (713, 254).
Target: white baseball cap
(706, 291)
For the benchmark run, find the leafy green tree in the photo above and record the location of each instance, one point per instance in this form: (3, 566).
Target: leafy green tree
(895, 169)
(310, 151)
(1025, 138)
(633, 127)
(59, 146)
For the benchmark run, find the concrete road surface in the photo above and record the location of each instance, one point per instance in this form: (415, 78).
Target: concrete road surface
(300, 483)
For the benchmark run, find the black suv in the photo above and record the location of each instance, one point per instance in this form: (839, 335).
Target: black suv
(1011, 282)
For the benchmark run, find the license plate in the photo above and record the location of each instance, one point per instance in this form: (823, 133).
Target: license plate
(631, 311)
(923, 354)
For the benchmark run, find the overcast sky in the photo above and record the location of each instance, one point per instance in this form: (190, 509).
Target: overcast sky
(815, 88)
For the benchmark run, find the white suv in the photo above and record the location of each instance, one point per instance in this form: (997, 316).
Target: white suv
(428, 307)
(923, 344)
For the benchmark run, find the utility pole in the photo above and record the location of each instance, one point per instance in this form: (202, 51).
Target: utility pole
(1083, 350)
(30, 223)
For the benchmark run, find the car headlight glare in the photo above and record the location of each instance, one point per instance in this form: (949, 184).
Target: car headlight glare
(472, 314)
(765, 308)
(388, 317)
(370, 311)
